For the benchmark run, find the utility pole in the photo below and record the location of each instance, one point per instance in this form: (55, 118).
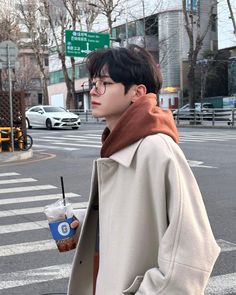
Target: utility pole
(232, 16)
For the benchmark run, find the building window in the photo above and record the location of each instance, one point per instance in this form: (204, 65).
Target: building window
(40, 98)
(58, 76)
(213, 23)
(46, 63)
(151, 25)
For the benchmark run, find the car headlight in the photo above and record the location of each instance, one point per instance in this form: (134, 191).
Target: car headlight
(55, 118)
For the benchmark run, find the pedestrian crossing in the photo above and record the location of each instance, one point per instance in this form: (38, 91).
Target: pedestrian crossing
(207, 136)
(34, 220)
(22, 215)
(68, 142)
(71, 142)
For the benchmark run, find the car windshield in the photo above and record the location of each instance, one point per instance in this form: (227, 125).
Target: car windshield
(53, 109)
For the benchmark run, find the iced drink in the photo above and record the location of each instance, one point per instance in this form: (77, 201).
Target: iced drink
(60, 215)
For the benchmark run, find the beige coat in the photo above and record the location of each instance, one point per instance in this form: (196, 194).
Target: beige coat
(155, 237)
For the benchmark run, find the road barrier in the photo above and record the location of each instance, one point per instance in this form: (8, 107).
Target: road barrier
(209, 117)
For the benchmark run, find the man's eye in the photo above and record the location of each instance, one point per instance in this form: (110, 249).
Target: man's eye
(107, 83)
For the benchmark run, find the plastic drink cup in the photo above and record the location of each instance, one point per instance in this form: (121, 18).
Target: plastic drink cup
(60, 216)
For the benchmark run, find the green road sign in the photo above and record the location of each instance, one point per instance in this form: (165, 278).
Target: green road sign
(80, 44)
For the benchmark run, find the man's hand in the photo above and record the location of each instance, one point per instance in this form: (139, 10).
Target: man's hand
(75, 223)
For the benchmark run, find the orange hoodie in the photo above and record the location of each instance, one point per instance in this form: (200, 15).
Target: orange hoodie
(141, 119)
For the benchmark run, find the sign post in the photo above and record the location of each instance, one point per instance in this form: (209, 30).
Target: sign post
(80, 44)
(8, 54)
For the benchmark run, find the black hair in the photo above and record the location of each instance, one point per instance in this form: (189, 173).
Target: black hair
(133, 65)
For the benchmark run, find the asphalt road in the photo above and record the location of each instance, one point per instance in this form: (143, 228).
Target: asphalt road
(29, 261)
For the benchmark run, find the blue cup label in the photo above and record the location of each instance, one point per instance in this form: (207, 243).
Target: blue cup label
(61, 230)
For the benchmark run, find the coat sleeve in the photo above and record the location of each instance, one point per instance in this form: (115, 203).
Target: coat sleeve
(187, 250)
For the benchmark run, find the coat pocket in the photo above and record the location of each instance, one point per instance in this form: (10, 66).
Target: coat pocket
(134, 286)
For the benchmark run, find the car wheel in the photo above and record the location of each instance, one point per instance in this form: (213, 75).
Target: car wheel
(48, 124)
(75, 128)
(27, 124)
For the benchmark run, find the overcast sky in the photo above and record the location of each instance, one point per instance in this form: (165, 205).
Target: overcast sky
(226, 37)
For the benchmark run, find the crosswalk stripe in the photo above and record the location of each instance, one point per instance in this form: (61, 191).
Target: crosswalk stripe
(54, 147)
(42, 245)
(226, 246)
(36, 198)
(17, 180)
(89, 136)
(72, 138)
(26, 211)
(9, 174)
(197, 138)
(16, 249)
(32, 276)
(26, 188)
(79, 144)
(224, 284)
(189, 140)
(20, 227)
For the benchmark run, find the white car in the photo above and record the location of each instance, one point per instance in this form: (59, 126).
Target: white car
(51, 117)
(203, 110)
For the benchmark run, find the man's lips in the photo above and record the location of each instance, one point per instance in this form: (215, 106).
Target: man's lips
(95, 103)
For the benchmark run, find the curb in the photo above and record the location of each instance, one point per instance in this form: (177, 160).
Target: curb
(7, 157)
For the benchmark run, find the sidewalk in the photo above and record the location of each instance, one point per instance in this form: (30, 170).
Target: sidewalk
(6, 157)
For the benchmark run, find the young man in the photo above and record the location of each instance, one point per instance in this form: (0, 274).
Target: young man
(154, 236)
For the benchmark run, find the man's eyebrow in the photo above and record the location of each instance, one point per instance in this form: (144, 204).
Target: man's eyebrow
(105, 76)
(102, 76)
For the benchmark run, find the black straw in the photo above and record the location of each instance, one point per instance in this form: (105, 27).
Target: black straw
(63, 192)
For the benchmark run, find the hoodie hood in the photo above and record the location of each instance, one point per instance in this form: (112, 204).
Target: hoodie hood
(142, 118)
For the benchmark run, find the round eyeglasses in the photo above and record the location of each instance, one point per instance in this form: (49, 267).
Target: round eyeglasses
(100, 86)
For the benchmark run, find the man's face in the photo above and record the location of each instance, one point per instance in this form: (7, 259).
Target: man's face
(109, 100)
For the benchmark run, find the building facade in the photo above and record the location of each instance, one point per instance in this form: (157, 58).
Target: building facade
(161, 29)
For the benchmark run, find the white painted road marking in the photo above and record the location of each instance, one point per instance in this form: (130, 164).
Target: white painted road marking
(20, 227)
(78, 144)
(8, 174)
(226, 246)
(29, 247)
(221, 285)
(218, 285)
(26, 188)
(36, 198)
(34, 210)
(17, 180)
(43, 245)
(199, 164)
(33, 276)
(54, 147)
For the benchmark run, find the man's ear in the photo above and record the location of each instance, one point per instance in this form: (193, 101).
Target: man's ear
(140, 90)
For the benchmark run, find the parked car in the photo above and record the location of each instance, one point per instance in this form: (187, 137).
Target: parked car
(201, 111)
(51, 117)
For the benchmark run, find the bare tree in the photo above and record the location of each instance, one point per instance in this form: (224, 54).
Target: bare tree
(9, 26)
(58, 23)
(33, 19)
(9, 30)
(196, 35)
(26, 75)
(111, 9)
(63, 15)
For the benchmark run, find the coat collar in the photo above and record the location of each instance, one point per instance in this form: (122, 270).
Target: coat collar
(125, 156)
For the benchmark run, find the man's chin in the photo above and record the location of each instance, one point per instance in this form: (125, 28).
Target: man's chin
(95, 114)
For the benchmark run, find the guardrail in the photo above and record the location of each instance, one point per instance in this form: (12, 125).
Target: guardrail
(210, 117)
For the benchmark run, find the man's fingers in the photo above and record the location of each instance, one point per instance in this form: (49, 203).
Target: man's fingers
(74, 224)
